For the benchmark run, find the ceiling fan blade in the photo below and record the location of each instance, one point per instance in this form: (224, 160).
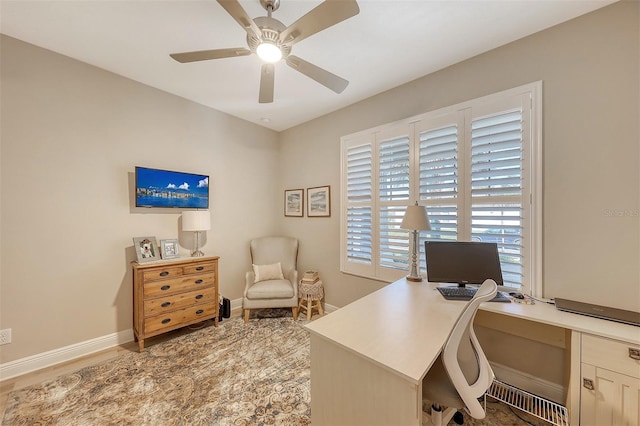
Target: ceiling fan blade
(325, 15)
(205, 55)
(236, 11)
(324, 77)
(266, 84)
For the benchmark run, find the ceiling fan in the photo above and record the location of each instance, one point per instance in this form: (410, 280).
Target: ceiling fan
(271, 40)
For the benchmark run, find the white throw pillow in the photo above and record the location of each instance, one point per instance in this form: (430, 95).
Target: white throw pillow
(267, 272)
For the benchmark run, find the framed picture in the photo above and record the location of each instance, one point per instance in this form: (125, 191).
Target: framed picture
(319, 201)
(294, 202)
(169, 249)
(146, 249)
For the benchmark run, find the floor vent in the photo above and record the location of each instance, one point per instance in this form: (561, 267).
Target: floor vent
(532, 404)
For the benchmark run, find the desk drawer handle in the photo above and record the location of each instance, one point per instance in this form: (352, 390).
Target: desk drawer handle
(199, 311)
(198, 281)
(198, 297)
(166, 304)
(165, 287)
(164, 273)
(634, 353)
(166, 320)
(199, 268)
(588, 383)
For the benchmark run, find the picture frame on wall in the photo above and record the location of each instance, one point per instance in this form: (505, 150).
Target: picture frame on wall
(294, 202)
(146, 249)
(169, 249)
(319, 201)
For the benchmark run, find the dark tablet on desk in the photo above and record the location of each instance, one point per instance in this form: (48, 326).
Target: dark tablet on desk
(598, 311)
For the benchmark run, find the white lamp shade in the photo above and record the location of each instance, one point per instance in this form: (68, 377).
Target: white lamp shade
(197, 220)
(416, 218)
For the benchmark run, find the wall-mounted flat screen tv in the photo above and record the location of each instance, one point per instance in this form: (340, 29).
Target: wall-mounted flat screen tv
(165, 188)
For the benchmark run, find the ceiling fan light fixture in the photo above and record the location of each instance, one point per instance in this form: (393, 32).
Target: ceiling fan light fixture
(269, 52)
(271, 41)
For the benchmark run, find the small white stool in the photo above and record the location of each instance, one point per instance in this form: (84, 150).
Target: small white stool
(310, 293)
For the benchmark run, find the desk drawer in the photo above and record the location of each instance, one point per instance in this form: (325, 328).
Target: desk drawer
(611, 354)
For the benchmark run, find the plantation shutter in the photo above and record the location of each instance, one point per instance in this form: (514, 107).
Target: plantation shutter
(393, 195)
(438, 169)
(359, 199)
(496, 188)
(475, 166)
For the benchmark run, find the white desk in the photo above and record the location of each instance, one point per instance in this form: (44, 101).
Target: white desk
(368, 359)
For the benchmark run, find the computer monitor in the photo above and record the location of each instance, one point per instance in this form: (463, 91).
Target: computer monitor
(462, 262)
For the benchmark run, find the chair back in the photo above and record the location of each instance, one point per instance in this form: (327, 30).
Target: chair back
(463, 358)
(268, 250)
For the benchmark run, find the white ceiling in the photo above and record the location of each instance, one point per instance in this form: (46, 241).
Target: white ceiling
(390, 42)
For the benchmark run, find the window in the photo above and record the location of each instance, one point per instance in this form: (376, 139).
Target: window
(475, 166)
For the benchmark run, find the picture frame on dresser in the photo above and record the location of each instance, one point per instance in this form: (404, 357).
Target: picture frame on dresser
(169, 249)
(146, 249)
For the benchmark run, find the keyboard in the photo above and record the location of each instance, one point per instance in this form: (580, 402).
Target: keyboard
(467, 293)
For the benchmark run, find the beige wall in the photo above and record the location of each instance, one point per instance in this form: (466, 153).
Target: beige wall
(590, 72)
(71, 137)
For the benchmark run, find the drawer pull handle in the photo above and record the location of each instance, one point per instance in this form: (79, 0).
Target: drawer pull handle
(199, 311)
(634, 353)
(199, 268)
(166, 320)
(165, 287)
(199, 296)
(588, 383)
(166, 304)
(164, 273)
(198, 281)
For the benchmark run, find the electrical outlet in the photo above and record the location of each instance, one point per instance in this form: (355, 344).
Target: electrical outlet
(5, 336)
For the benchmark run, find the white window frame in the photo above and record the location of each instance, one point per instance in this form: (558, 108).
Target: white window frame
(531, 96)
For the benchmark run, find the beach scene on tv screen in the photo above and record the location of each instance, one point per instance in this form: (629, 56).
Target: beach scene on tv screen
(163, 188)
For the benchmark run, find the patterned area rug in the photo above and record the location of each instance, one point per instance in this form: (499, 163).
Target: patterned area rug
(235, 374)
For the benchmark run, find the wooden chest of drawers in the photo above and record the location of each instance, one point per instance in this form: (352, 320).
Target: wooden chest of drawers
(173, 294)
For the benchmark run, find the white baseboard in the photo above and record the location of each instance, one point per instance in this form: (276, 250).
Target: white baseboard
(36, 362)
(330, 308)
(535, 385)
(237, 304)
(22, 366)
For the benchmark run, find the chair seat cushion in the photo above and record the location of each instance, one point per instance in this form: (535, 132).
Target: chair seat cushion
(270, 289)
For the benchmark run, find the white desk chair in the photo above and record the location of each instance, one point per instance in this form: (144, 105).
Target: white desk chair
(461, 374)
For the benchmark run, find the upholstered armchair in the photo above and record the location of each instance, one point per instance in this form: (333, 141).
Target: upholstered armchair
(273, 280)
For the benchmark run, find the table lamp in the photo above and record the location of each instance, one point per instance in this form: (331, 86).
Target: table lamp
(196, 221)
(416, 220)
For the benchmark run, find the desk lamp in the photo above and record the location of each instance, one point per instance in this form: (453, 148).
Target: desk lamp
(196, 221)
(416, 220)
